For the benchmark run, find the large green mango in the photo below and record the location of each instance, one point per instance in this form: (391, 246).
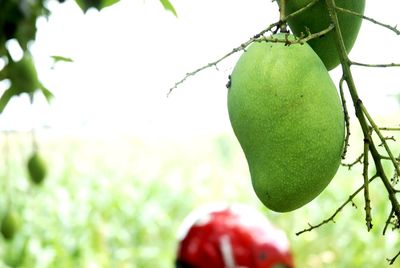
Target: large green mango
(287, 115)
(317, 19)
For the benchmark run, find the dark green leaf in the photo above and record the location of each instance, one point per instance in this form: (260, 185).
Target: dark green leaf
(97, 4)
(87, 4)
(168, 6)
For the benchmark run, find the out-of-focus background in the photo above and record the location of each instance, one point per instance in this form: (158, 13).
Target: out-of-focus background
(127, 163)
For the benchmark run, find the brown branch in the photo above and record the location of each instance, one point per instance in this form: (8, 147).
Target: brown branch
(394, 29)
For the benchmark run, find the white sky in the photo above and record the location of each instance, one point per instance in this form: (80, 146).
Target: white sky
(128, 56)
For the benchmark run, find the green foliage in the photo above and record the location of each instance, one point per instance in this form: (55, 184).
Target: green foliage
(23, 79)
(85, 5)
(168, 6)
(288, 118)
(18, 22)
(57, 58)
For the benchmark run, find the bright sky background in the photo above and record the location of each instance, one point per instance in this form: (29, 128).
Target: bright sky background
(128, 56)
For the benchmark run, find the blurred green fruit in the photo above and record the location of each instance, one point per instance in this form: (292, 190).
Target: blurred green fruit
(287, 115)
(10, 225)
(317, 19)
(36, 168)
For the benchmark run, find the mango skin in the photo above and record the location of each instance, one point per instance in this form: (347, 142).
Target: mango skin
(36, 168)
(10, 225)
(317, 19)
(287, 116)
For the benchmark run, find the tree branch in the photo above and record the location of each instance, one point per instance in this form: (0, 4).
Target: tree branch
(360, 111)
(368, 217)
(383, 65)
(393, 29)
(390, 128)
(358, 160)
(346, 118)
(388, 221)
(247, 43)
(332, 217)
(381, 137)
(392, 260)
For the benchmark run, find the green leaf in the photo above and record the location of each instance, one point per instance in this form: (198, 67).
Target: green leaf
(97, 4)
(46, 93)
(168, 6)
(5, 98)
(61, 58)
(107, 3)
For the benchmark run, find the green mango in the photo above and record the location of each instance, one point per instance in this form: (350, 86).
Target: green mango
(317, 19)
(36, 168)
(286, 113)
(10, 225)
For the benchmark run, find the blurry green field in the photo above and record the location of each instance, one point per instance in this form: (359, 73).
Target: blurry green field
(117, 201)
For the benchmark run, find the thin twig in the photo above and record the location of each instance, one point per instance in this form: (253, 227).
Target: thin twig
(394, 29)
(382, 65)
(244, 45)
(346, 118)
(388, 221)
(381, 137)
(358, 160)
(392, 260)
(299, 11)
(332, 217)
(390, 128)
(300, 40)
(368, 217)
(384, 157)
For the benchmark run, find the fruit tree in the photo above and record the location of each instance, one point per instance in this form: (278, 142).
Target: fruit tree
(288, 119)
